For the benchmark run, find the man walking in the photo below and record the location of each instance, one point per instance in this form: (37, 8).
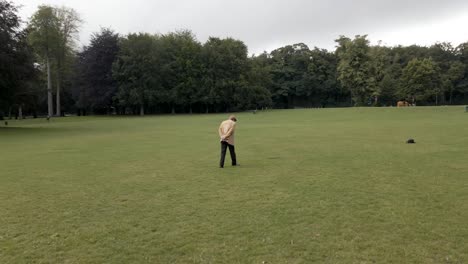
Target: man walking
(226, 133)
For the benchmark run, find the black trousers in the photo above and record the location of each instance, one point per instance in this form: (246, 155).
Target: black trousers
(224, 146)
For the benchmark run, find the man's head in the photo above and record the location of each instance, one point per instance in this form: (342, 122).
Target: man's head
(233, 118)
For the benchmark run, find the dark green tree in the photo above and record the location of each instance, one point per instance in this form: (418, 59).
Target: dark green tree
(94, 85)
(421, 79)
(321, 79)
(182, 69)
(355, 69)
(260, 82)
(44, 31)
(137, 71)
(17, 71)
(68, 26)
(226, 67)
(290, 65)
(454, 78)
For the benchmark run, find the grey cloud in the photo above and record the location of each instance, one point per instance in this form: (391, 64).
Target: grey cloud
(261, 24)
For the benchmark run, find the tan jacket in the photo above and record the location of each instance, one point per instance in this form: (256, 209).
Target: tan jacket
(226, 131)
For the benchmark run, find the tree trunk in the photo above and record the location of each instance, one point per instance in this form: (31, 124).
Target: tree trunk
(142, 110)
(437, 99)
(191, 112)
(20, 112)
(173, 109)
(442, 99)
(450, 97)
(50, 106)
(207, 109)
(58, 112)
(9, 113)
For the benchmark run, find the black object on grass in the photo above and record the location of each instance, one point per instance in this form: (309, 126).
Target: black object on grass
(410, 141)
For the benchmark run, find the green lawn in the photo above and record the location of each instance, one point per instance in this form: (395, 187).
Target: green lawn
(319, 185)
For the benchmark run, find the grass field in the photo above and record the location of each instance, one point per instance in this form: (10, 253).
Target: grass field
(322, 185)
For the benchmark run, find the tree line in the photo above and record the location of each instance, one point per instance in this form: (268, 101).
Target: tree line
(43, 72)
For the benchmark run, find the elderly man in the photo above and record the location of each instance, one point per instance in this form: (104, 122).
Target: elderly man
(226, 133)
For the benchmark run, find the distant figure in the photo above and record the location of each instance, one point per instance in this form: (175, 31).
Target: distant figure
(226, 134)
(403, 103)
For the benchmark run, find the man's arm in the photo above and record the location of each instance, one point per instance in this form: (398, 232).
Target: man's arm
(230, 131)
(220, 131)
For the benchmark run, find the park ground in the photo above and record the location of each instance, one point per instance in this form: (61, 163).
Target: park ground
(314, 186)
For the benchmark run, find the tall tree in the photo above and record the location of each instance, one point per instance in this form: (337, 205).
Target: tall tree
(380, 62)
(182, 69)
(454, 76)
(422, 80)
(17, 71)
(226, 66)
(9, 38)
(28, 74)
(321, 79)
(289, 67)
(68, 25)
(44, 29)
(260, 81)
(93, 81)
(462, 54)
(137, 71)
(354, 68)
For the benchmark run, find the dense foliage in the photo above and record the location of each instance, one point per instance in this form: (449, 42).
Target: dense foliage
(17, 71)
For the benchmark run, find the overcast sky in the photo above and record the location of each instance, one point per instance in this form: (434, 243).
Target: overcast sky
(269, 24)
